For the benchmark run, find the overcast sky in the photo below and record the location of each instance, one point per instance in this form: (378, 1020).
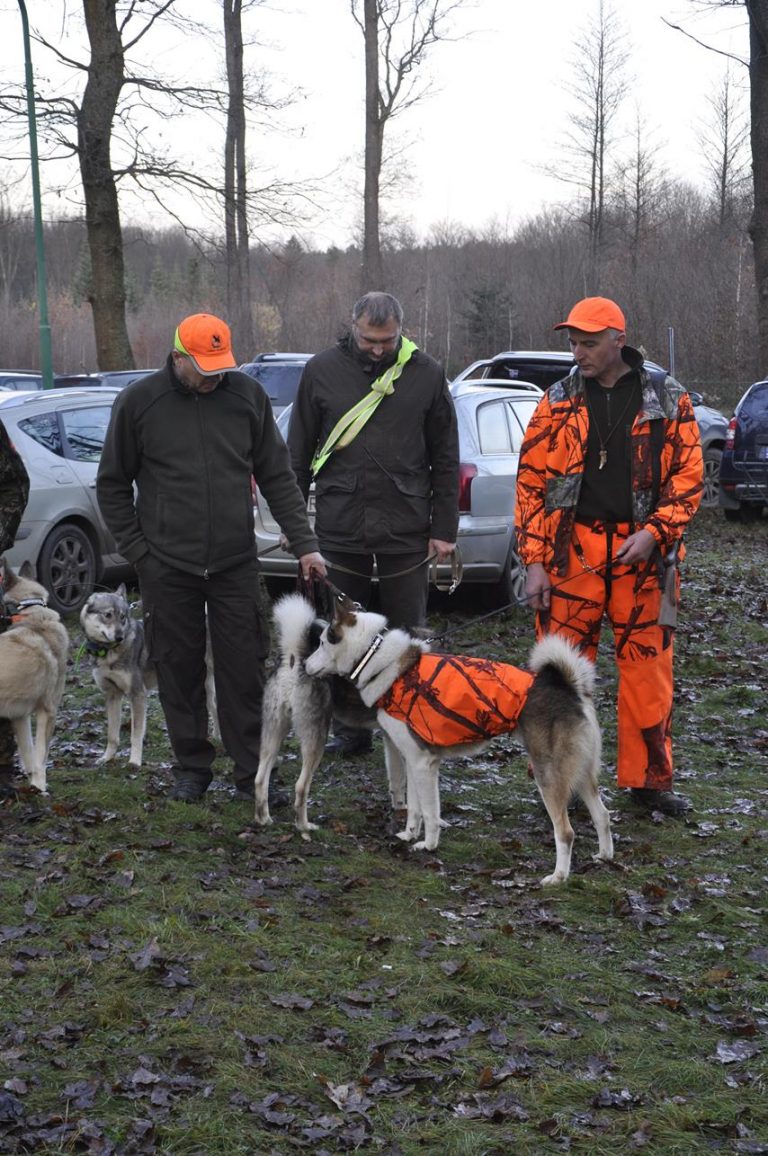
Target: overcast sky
(497, 115)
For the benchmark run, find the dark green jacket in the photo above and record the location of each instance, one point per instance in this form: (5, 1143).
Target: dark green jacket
(192, 457)
(396, 485)
(14, 490)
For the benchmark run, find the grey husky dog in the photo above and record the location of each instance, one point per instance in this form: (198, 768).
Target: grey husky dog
(33, 665)
(557, 722)
(115, 641)
(122, 668)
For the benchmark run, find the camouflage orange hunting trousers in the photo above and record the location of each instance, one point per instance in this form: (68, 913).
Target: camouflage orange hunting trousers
(630, 598)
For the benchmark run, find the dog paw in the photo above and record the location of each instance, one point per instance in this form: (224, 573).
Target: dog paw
(553, 879)
(424, 845)
(603, 858)
(406, 835)
(264, 819)
(105, 758)
(308, 827)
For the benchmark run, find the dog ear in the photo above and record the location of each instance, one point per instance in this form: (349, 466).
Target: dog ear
(121, 591)
(344, 610)
(26, 571)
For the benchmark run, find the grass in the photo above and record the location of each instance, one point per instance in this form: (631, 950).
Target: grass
(175, 980)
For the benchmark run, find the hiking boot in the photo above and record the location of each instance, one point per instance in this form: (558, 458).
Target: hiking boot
(665, 801)
(349, 745)
(7, 783)
(188, 788)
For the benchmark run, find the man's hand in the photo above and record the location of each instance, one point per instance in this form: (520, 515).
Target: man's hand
(637, 548)
(537, 586)
(313, 565)
(442, 549)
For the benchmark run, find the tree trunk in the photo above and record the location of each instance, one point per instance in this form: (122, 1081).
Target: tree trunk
(758, 226)
(372, 272)
(102, 211)
(239, 312)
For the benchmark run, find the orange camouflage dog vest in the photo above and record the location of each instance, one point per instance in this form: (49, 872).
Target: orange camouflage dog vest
(450, 699)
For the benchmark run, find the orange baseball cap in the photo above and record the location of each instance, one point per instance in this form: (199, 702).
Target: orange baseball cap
(593, 314)
(207, 341)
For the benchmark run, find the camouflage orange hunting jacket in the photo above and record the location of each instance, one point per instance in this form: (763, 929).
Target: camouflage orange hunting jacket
(452, 699)
(551, 467)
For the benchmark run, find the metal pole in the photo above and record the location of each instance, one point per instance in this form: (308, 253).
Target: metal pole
(46, 364)
(671, 344)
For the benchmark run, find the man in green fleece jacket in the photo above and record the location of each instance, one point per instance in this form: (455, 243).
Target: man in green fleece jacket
(174, 487)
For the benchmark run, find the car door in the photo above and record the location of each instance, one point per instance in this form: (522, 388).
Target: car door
(83, 431)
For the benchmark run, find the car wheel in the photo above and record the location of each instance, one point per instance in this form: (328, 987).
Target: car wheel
(712, 459)
(67, 568)
(511, 586)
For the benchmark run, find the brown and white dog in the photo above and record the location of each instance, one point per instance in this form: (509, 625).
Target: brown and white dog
(557, 722)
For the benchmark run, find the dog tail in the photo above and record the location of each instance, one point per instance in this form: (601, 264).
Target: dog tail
(294, 617)
(559, 655)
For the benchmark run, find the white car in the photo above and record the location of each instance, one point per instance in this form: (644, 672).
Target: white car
(492, 418)
(59, 434)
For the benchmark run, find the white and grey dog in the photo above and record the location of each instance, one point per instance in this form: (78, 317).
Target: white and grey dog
(115, 642)
(557, 724)
(292, 698)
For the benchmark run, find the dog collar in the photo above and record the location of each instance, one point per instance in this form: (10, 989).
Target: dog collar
(99, 649)
(26, 603)
(367, 657)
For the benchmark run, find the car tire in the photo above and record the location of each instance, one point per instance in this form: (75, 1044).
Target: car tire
(67, 568)
(510, 589)
(712, 458)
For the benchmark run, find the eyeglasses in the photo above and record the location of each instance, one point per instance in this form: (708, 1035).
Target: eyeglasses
(368, 341)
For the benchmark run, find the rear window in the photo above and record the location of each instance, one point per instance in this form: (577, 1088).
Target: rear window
(279, 381)
(538, 372)
(754, 405)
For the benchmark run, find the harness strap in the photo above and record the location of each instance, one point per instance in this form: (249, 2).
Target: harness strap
(349, 424)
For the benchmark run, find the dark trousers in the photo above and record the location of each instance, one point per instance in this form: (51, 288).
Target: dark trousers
(7, 746)
(403, 599)
(174, 606)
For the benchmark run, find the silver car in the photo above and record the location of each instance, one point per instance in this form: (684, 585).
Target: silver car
(491, 419)
(59, 434)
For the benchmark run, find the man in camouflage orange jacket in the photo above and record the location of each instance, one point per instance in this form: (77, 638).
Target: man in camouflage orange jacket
(610, 474)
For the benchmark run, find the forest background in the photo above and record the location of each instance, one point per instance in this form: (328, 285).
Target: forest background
(676, 253)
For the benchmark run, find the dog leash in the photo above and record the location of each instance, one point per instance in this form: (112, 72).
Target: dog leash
(445, 586)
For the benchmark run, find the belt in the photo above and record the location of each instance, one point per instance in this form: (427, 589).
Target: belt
(602, 526)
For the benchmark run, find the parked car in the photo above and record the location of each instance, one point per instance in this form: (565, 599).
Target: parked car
(279, 373)
(114, 378)
(492, 417)
(743, 490)
(545, 367)
(20, 379)
(59, 434)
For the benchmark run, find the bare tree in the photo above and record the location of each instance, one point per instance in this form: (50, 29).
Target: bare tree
(235, 183)
(724, 140)
(397, 34)
(599, 91)
(640, 190)
(757, 16)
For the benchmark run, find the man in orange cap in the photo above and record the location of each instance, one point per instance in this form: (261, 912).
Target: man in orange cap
(174, 486)
(610, 474)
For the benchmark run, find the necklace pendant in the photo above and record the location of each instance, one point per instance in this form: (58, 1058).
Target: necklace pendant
(603, 459)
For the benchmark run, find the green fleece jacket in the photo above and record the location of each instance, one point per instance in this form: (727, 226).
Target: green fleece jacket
(191, 458)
